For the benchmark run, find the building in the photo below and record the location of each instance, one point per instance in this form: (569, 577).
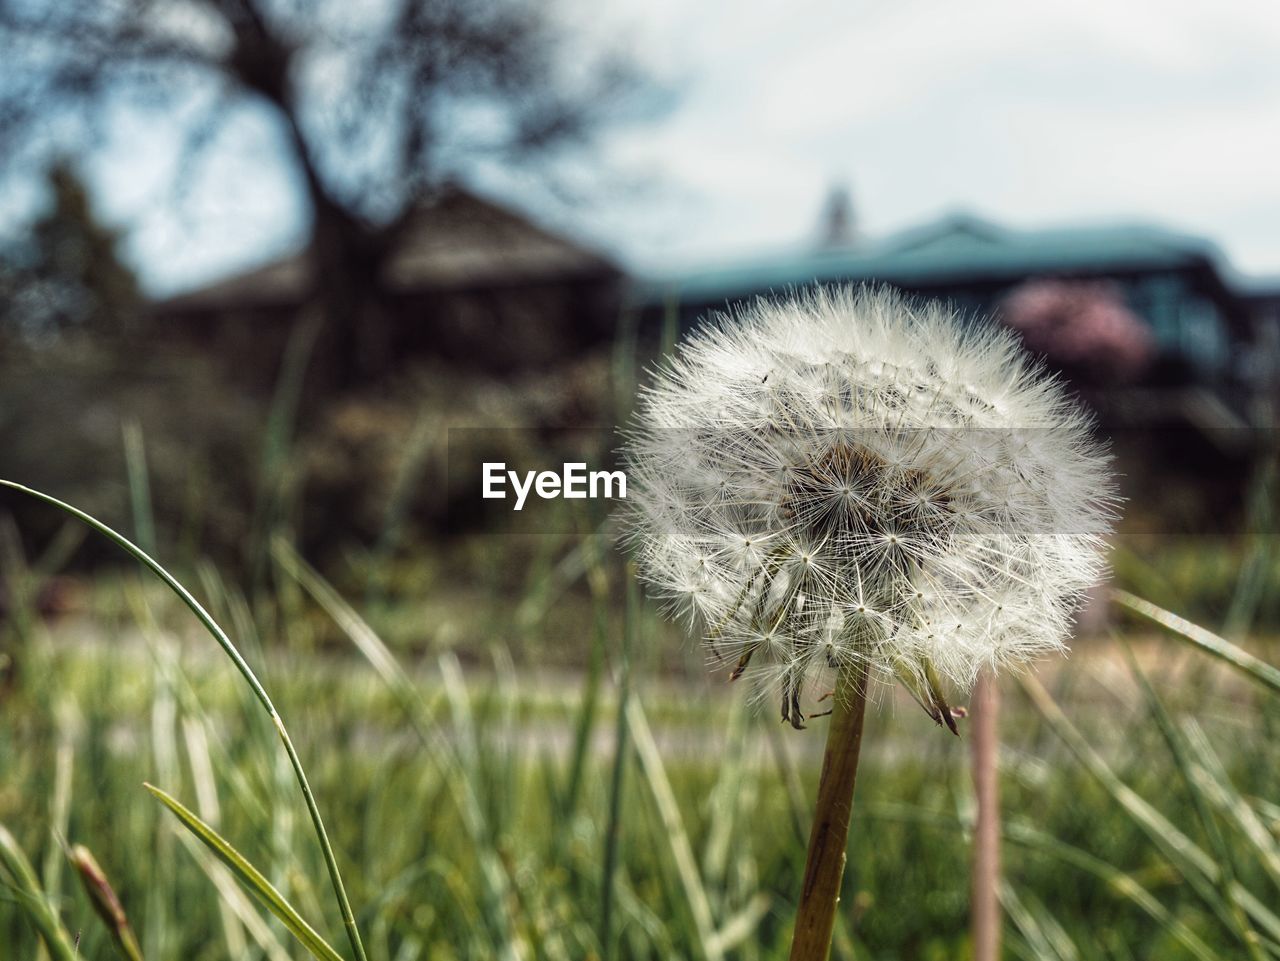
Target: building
(1187, 427)
(470, 282)
(1215, 343)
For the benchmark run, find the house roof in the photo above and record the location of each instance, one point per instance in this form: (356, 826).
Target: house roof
(1259, 288)
(459, 241)
(958, 247)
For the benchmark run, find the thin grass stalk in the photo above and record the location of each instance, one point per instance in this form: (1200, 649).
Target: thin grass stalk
(467, 768)
(1113, 880)
(623, 363)
(1222, 850)
(1045, 937)
(69, 724)
(135, 460)
(249, 876)
(985, 906)
(644, 919)
(1251, 586)
(797, 806)
(673, 825)
(171, 671)
(1220, 647)
(1215, 783)
(725, 797)
(241, 665)
(406, 482)
(598, 582)
(210, 810)
(16, 872)
(281, 834)
(586, 716)
(737, 931)
(829, 837)
(1198, 868)
(621, 754)
(61, 548)
(449, 754)
(274, 481)
(158, 929)
(670, 324)
(583, 561)
(238, 902)
(505, 697)
(105, 901)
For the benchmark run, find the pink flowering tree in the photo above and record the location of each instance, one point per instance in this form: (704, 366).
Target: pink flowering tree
(1082, 327)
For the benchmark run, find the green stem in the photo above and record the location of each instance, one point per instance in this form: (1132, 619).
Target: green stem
(622, 753)
(219, 635)
(829, 837)
(17, 873)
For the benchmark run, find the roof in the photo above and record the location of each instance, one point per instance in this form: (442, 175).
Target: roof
(459, 241)
(1258, 288)
(958, 247)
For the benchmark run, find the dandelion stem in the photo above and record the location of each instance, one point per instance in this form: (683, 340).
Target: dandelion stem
(985, 908)
(829, 837)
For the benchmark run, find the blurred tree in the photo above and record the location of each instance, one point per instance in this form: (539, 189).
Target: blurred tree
(1084, 328)
(66, 276)
(378, 105)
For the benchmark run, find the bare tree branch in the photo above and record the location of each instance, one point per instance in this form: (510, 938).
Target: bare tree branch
(377, 111)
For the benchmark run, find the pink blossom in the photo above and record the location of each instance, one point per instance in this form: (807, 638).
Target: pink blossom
(1083, 327)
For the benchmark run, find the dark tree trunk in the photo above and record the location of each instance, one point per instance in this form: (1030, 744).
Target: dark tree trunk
(349, 293)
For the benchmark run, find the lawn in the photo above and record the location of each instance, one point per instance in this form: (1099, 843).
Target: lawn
(485, 802)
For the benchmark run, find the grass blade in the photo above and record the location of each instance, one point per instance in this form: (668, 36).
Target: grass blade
(1042, 933)
(621, 755)
(1178, 749)
(669, 811)
(1265, 674)
(260, 692)
(590, 704)
(135, 460)
(69, 723)
(207, 802)
(1199, 869)
(742, 925)
(1216, 784)
(1189, 857)
(17, 870)
(105, 902)
(250, 877)
(450, 755)
(1115, 880)
(1252, 584)
(239, 903)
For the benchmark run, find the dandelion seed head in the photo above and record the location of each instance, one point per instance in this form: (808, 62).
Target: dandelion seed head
(848, 477)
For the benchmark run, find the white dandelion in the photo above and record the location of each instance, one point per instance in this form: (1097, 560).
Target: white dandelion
(852, 479)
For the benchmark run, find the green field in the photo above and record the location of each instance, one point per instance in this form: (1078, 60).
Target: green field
(563, 778)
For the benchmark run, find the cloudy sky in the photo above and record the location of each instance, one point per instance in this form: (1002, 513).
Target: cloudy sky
(1043, 113)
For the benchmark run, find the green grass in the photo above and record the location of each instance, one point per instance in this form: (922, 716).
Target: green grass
(479, 807)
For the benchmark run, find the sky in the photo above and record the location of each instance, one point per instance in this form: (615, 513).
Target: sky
(1048, 113)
